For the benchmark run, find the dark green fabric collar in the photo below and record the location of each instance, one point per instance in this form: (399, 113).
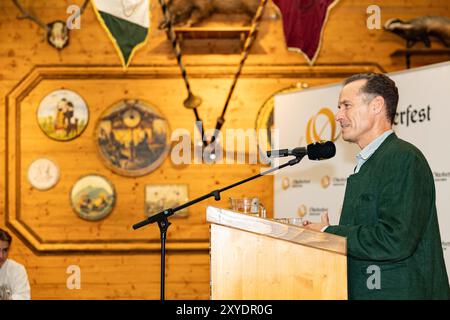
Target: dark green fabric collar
(380, 150)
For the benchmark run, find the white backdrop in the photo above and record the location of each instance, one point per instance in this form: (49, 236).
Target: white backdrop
(314, 187)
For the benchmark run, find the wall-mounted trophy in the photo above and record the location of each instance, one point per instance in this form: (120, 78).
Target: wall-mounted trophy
(132, 138)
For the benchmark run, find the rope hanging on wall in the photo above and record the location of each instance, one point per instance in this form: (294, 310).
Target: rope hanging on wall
(193, 101)
(248, 45)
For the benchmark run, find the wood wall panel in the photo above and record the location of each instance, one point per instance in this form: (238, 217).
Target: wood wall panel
(346, 41)
(47, 215)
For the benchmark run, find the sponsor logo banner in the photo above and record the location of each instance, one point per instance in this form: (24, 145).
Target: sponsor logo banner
(305, 117)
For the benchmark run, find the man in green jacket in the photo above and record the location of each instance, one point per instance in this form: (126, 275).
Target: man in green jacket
(389, 213)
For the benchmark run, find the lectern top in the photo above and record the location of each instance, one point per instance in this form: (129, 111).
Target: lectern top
(277, 230)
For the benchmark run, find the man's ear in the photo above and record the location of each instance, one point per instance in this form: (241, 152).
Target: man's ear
(377, 104)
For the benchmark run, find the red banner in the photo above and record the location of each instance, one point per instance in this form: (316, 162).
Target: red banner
(303, 22)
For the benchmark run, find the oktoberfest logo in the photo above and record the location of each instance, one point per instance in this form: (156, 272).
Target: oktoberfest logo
(302, 210)
(285, 184)
(325, 182)
(322, 127)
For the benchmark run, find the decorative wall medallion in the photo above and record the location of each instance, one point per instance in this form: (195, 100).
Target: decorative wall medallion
(132, 138)
(63, 115)
(92, 197)
(43, 174)
(264, 119)
(163, 196)
(286, 183)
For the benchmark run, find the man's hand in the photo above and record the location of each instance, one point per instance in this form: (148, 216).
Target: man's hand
(325, 222)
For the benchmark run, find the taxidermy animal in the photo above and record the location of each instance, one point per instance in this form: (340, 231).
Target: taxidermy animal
(420, 29)
(189, 12)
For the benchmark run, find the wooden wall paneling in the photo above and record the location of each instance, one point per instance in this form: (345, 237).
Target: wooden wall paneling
(46, 218)
(346, 43)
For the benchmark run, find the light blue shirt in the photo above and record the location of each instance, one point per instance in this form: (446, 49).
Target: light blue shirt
(369, 150)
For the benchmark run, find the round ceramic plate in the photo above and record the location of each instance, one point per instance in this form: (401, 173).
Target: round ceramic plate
(63, 115)
(43, 174)
(132, 138)
(93, 197)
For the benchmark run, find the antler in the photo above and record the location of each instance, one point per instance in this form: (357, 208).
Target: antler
(83, 7)
(27, 15)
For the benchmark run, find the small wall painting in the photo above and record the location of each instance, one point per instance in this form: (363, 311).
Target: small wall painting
(163, 196)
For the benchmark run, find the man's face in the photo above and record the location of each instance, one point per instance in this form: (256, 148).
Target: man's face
(354, 114)
(4, 250)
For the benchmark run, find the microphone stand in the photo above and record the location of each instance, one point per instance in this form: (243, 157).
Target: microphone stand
(163, 224)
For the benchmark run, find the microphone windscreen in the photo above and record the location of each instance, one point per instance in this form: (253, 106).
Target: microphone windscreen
(321, 150)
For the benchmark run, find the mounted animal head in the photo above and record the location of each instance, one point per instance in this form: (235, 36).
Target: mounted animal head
(57, 32)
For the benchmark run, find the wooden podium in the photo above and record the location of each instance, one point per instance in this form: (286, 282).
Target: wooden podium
(260, 259)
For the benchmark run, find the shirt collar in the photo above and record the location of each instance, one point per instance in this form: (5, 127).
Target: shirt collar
(365, 153)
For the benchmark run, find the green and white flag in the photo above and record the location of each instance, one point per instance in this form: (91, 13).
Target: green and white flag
(126, 22)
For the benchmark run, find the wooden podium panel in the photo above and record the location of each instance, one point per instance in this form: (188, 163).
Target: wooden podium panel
(254, 258)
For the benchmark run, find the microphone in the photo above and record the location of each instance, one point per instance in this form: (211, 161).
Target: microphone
(316, 151)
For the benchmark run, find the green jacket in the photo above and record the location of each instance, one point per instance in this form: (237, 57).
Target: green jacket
(390, 221)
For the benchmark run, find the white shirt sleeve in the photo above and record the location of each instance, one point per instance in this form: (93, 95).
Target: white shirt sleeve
(324, 228)
(20, 287)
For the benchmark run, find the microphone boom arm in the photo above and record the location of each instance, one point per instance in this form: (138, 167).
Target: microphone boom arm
(216, 194)
(163, 224)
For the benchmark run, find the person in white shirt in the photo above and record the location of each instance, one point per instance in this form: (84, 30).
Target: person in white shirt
(14, 283)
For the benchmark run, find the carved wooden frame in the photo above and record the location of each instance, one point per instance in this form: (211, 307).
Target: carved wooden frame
(43, 72)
